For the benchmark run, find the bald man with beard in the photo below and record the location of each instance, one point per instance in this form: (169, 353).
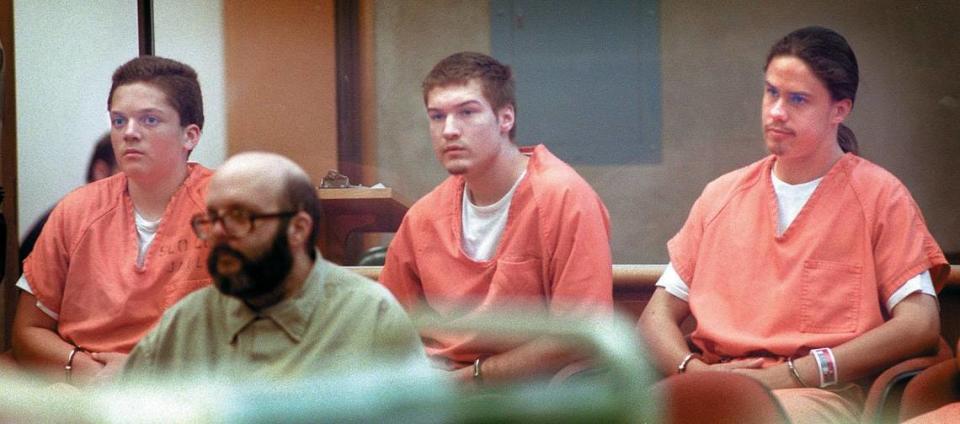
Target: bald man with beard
(276, 309)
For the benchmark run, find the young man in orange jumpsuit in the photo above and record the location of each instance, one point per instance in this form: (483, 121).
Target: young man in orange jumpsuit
(115, 254)
(511, 227)
(809, 269)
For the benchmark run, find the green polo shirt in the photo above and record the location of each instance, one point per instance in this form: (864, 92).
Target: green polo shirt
(338, 321)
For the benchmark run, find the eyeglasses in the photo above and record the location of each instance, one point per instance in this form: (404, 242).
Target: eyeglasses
(236, 222)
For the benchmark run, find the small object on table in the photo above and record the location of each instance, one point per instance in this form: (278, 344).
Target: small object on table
(334, 179)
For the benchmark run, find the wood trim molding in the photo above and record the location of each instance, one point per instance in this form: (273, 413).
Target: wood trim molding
(145, 27)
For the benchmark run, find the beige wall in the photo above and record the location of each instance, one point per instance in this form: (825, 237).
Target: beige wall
(907, 115)
(410, 37)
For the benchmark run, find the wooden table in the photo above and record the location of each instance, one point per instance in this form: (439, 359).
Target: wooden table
(361, 209)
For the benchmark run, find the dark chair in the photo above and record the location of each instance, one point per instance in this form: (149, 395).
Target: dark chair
(717, 397)
(8, 365)
(883, 403)
(374, 256)
(933, 388)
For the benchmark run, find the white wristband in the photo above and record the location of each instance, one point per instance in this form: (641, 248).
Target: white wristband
(826, 366)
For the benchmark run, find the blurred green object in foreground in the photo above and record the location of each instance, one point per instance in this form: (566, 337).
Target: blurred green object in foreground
(619, 392)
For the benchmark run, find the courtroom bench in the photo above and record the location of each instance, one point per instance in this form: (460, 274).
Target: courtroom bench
(633, 284)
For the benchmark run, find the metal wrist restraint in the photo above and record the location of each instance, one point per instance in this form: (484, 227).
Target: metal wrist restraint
(477, 375)
(68, 367)
(795, 373)
(682, 368)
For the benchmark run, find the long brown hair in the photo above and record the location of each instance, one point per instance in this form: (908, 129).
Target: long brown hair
(831, 59)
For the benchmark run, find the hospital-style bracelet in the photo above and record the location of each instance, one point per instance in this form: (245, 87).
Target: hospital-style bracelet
(826, 365)
(682, 368)
(68, 367)
(795, 373)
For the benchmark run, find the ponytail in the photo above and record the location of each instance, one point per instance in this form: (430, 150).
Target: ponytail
(847, 141)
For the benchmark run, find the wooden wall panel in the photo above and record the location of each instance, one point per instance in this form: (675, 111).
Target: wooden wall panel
(8, 168)
(279, 59)
(368, 92)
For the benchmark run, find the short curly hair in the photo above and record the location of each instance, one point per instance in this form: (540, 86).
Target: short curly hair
(178, 82)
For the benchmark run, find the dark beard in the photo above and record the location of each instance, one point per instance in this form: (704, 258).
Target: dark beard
(257, 277)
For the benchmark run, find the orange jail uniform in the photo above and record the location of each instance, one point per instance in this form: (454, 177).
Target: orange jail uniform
(553, 256)
(820, 283)
(84, 266)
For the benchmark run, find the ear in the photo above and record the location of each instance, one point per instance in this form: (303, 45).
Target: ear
(505, 117)
(841, 109)
(299, 228)
(191, 137)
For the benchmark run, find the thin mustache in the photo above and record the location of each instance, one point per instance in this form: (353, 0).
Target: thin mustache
(777, 128)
